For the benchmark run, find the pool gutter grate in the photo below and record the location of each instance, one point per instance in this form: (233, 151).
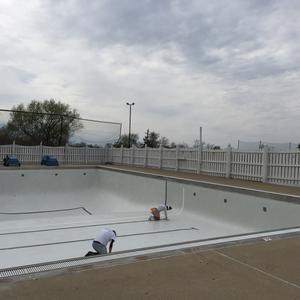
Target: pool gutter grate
(19, 271)
(80, 261)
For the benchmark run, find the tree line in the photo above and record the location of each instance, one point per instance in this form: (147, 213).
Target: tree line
(151, 139)
(55, 123)
(50, 122)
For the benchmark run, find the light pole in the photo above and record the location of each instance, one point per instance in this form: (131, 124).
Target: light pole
(130, 104)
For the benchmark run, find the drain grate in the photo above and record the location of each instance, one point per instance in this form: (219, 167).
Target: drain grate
(80, 261)
(30, 269)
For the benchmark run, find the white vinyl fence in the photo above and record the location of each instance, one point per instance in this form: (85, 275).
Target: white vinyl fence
(64, 155)
(263, 165)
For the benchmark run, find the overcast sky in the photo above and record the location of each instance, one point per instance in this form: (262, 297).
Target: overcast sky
(232, 67)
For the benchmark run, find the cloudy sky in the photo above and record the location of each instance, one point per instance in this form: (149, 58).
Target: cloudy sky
(230, 66)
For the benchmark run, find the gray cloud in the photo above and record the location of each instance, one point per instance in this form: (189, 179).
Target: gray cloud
(216, 37)
(216, 64)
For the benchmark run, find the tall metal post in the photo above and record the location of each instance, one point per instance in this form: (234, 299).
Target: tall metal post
(199, 161)
(129, 133)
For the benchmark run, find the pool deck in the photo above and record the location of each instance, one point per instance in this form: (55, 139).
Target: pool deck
(255, 270)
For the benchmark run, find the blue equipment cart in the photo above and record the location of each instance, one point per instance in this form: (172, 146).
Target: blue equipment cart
(48, 160)
(11, 160)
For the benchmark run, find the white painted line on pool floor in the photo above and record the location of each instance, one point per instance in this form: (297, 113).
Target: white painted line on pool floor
(257, 269)
(46, 211)
(74, 227)
(90, 239)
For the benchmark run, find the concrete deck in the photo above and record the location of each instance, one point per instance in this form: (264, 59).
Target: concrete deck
(257, 270)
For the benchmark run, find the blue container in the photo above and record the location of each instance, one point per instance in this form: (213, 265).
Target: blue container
(11, 160)
(49, 161)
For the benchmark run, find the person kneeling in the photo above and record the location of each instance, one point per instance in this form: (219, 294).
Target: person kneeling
(101, 241)
(155, 212)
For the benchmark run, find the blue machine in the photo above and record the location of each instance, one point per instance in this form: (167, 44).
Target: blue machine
(49, 161)
(11, 160)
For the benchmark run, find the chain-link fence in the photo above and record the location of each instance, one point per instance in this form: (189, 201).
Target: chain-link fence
(259, 145)
(50, 129)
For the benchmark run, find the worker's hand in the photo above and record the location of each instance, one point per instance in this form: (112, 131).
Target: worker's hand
(110, 246)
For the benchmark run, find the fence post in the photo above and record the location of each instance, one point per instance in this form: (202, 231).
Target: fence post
(66, 160)
(132, 155)
(121, 154)
(199, 159)
(111, 151)
(105, 154)
(146, 156)
(265, 163)
(177, 158)
(228, 161)
(13, 148)
(102, 155)
(160, 156)
(41, 151)
(86, 154)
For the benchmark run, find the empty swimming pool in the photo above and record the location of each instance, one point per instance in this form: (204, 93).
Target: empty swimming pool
(51, 215)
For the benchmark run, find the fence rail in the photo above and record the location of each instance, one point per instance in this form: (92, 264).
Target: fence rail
(263, 165)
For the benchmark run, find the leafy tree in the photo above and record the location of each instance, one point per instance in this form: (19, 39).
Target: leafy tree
(197, 143)
(52, 123)
(124, 140)
(151, 139)
(172, 145)
(216, 147)
(5, 139)
(183, 145)
(146, 138)
(164, 142)
(212, 147)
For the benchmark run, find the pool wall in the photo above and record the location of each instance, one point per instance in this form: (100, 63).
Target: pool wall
(251, 211)
(106, 192)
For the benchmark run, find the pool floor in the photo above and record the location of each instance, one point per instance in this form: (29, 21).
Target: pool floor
(44, 240)
(55, 224)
